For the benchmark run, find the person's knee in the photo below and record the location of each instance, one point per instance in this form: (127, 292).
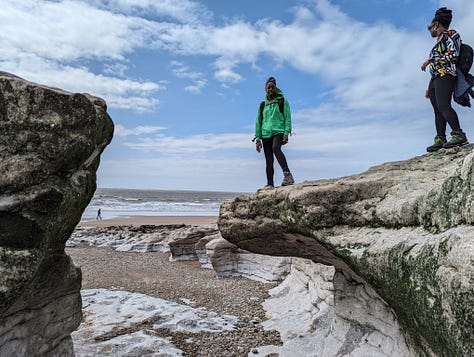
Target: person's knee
(269, 161)
(443, 102)
(269, 157)
(445, 108)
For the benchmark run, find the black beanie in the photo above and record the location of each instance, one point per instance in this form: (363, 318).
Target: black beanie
(443, 16)
(271, 79)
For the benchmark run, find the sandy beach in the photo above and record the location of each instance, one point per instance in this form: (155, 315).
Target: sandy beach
(150, 220)
(153, 274)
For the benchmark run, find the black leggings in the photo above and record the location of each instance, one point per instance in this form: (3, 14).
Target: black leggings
(272, 146)
(440, 90)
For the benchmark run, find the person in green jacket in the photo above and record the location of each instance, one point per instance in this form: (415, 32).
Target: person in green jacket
(272, 128)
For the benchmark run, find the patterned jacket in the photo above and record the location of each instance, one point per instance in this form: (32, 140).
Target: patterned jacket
(444, 54)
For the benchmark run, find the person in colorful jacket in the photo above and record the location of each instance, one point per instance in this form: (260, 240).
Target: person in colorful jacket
(272, 128)
(442, 67)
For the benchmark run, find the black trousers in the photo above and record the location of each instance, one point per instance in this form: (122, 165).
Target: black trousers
(440, 90)
(272, 146)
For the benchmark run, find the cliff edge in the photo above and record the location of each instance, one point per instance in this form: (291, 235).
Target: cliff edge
(402, 229)
(50, 143)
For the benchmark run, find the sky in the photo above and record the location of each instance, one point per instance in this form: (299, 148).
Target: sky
(183, 80)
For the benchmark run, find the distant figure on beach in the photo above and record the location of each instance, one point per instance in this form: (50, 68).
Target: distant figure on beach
(99, 214)
(272, 127)
(442, 67)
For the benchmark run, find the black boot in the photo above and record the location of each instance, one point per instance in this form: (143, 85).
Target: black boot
(439, 142)
(458, 138)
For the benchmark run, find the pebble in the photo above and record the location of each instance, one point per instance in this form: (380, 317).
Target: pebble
(153, 274)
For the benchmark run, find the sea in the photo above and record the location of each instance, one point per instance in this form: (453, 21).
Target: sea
(115, 203)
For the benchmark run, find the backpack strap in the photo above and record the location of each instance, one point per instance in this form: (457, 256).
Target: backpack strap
(262, 105)
(281, 107)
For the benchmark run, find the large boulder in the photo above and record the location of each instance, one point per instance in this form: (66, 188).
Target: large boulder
(50, 143)
(404, 229)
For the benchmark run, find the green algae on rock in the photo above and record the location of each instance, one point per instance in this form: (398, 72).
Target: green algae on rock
(404, 229)
(50, 145)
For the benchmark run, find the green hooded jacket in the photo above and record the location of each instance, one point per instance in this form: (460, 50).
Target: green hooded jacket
(273, 122)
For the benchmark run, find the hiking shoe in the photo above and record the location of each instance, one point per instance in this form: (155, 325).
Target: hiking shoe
(458, 138)
(267, 188)
(439, 141)
(287, 179)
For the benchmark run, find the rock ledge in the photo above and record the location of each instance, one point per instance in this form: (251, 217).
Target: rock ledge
(402, 229)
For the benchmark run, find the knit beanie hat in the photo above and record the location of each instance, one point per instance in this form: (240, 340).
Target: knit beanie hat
(271, 79)
(443, 16)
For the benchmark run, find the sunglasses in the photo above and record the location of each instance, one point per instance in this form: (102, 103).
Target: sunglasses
(430, 26)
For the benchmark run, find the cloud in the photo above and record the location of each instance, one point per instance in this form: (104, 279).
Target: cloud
(463, 13)
(225, 71)
(184, 11)
(312, 153)
(60, 39)
(115, 69)
(355, 136)
(180, 70)
(370, 72)
(69, 30)
(316, 42)
(196, 87)
(365, 71)
(191, 146)
(373, 111)
(119, 93)
(174, 173)
(365, 67)
(227, 75)
(121, 131)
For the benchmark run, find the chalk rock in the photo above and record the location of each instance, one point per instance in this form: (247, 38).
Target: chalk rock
(228, 260)
(318, 312)
(50, 143)
(201, 250)
(120, 323)
(183, 243)
(403, 229)
(144, 238)
(187, 242)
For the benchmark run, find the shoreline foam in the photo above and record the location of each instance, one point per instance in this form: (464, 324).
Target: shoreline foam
(150, 220)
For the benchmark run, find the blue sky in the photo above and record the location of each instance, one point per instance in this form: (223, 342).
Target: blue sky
(183, 80)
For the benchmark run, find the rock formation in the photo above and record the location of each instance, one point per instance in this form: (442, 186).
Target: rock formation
(228, 260)
(145, 238)
(183, 246)
(318, 312)
(183, 242)
(50, 143)
(401, 233)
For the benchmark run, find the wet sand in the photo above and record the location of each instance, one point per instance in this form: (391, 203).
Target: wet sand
(150, 220)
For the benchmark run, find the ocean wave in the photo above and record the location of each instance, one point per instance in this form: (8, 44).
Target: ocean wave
(118, 203)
